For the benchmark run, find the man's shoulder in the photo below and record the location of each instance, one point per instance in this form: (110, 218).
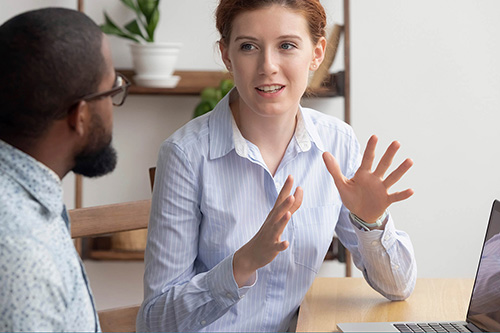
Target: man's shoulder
(17, 207)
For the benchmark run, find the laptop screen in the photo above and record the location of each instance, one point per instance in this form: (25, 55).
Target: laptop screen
(484, 307)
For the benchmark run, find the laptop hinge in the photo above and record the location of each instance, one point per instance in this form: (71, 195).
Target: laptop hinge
(473, 328)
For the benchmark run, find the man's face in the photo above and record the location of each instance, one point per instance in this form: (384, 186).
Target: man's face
(99, 157)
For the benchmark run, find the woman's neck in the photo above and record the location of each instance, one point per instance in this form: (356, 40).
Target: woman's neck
(270, 134)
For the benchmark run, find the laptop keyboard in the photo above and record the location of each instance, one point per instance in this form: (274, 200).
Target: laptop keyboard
(431, 327)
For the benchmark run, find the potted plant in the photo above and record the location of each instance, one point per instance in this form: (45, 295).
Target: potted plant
(153, 62)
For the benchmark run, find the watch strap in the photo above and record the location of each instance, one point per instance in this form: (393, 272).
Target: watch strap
(369, 226)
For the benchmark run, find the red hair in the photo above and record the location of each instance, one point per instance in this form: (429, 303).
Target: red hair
(312, 10)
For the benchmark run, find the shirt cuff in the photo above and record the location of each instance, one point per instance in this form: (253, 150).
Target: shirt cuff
(377, 239)
(223, 286)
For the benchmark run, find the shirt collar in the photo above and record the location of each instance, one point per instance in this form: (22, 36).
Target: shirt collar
(226, 136)
(36, 178)
(308, 132)
(240, 143)
(220, 128)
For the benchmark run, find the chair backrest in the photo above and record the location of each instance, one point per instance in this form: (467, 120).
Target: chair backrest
(152, 172)
(119, 319)
(107, 219)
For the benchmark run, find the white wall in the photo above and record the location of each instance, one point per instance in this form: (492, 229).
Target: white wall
(427, 73)
(424, 72)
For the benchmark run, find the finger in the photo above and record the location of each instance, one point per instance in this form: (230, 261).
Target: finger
(400, 196)
(281, 224)
(396, 175)
(299, 194)
(386, 160)
(282, 246)
(279, 211)
(334, 169)
(285, 191)
(369, 154)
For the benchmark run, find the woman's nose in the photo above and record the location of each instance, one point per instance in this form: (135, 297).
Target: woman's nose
(268, 62)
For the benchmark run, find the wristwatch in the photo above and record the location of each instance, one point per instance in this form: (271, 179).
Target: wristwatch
(369, 226)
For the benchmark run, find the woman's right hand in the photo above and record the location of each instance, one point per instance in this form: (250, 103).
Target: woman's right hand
(267, 243)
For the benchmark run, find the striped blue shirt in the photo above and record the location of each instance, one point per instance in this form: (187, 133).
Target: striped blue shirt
(212, 193)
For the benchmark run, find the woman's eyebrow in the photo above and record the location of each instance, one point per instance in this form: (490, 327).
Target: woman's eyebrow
(254, 38)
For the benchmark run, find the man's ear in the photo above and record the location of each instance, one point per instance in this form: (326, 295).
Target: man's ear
(79, 118)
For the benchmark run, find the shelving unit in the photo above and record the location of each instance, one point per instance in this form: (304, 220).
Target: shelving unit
(191, 84)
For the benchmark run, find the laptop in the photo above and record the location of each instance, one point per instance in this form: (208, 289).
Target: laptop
(483, 314)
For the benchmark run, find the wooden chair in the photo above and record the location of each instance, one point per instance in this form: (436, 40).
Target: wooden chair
(107, 219)
(336, 251)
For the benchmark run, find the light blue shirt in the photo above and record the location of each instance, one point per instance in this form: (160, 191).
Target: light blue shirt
(43, 286)
(212, 193)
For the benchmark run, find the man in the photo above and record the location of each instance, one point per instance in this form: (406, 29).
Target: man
(57, 90)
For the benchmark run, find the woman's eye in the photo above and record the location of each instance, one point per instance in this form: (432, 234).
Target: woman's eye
(247, 47)
(287, 46)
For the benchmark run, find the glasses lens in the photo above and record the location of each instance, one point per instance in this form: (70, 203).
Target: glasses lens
(118, 97)
(119, 81)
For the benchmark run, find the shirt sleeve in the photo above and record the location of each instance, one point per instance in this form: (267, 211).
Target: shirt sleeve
(32, 296)
(175, 290)
(385, 257)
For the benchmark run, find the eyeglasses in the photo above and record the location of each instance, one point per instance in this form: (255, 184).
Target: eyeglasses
(118, 93)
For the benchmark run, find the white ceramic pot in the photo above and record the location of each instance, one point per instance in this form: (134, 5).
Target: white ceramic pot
(155, 62)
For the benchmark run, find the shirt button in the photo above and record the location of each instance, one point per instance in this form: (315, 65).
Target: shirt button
(203, 322)
(277, 184)
(375, 243)
(395, 267)
(228, 295)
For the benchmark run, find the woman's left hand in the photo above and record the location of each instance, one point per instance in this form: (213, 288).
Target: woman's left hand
(366, 194)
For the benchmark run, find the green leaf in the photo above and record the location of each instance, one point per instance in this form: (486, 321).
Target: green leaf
(134, 28)
(225, 86)
(202, 108)
(148, 8)
(152, 23)
(208, 93)
(130, 4)
(109, 27)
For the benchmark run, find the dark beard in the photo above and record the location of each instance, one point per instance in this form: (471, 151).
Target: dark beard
(96, 164)
(99, 157)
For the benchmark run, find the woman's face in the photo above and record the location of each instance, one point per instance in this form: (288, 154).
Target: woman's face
(270, 53)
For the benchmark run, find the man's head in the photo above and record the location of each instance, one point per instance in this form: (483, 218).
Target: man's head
(51, 60)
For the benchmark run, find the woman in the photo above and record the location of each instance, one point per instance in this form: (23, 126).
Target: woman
(229, 247)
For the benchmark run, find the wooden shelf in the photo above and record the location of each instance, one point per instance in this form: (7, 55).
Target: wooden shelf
(116, 255)
(193, 82)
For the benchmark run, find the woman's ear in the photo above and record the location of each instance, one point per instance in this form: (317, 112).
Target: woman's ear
(225, 55)
(79, 118)
(318, 54)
